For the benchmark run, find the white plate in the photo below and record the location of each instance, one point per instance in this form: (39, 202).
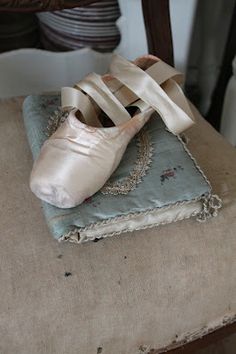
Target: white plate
(71, 30)
(88, 14)
(82, 37)
(75, 44)
(48, 18)
(77, 31)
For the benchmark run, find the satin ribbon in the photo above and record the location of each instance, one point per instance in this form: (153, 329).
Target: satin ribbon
(149, 91)
(157, 87)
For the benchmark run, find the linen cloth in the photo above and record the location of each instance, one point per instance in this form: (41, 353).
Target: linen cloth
(123, 293)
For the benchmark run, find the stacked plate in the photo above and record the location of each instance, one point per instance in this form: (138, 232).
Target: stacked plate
(18, 31)
(93, 26)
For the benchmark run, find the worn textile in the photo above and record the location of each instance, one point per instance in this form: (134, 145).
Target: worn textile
(145, 288)
(172, 177)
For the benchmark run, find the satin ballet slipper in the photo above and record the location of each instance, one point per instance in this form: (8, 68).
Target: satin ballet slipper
(80, 157)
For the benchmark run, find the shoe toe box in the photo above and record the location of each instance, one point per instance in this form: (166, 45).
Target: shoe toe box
(51, 193)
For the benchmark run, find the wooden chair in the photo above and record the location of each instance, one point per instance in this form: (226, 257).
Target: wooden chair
(156, 17)
(158, 29)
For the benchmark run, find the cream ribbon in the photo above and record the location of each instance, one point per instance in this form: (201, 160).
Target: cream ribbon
(157, 87)
(149, 91)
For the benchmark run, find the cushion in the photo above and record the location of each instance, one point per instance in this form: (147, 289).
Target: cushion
(145, 290)
(157, 181)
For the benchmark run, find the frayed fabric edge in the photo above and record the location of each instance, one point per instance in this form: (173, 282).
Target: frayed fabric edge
(210, 205)
(189, 337)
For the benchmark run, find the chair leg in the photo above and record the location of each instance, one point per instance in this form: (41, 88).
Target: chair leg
(158, 29)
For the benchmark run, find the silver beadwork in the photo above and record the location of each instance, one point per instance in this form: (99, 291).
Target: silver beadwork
(142, 164)
(55, 120)
(210, 206)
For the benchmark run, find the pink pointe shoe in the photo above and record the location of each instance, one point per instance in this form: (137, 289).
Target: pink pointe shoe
(78, 159)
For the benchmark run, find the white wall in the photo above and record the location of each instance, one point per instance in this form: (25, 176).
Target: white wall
(182, 17)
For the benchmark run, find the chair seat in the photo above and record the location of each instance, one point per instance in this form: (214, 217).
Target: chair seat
(120, 295)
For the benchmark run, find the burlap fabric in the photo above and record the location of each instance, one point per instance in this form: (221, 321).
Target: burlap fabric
(119, 295)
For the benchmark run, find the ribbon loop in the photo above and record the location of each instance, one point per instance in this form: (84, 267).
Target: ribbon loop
(148, 90)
